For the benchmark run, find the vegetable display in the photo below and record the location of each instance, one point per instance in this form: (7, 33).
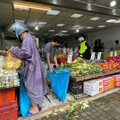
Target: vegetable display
(83, 67)
(8, 78)
(62, 55)
(115, 59)
(110, 66)
(113, 63)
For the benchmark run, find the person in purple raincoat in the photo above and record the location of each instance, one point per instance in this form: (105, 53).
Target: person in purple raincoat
(33, 75)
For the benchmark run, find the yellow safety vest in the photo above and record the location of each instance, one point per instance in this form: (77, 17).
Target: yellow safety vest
(83, 48)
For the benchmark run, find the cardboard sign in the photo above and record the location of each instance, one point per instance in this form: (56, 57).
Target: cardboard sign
(111, 53)
(69, 60)
(115, 53)
(99, 55)
(92, 56)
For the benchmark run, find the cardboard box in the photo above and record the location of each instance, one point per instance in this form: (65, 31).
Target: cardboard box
(107, 80)
(117, 84)
(117, 78)
(93, 84)
(93, 92)
(108, 87)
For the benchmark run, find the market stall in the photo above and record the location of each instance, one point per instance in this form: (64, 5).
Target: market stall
(76, 23)
(9, 82)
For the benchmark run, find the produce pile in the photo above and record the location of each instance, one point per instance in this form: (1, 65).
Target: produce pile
(113, 63)
(12, 63)
(3, 53)
(62, 55)
(83, 67)
(8, 78)
(116, 59)
(110, 66)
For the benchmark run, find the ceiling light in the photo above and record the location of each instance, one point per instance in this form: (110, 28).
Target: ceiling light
(113, 3)
(51, 30)
(27, 6)
(42, 23)
(60, 25)
(53, 12)
(117, 21)
(76, 26)
(36, 28)
(77, 15)
(77, 30)
(61, 34)
(89, 6)
(95, 18)
(64, 31)
(89, 27)
(23, 21)
(111, 20)
(101, 26)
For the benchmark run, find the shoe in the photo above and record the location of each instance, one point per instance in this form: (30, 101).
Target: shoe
(40, 108)
(29, 114)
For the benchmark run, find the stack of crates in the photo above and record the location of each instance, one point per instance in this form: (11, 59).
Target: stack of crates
(8, 105)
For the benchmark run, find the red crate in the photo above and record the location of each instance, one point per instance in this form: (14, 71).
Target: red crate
(7, 96)
(8, 111)
(63, 60)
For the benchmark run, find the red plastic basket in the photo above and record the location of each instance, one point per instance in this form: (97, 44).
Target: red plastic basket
(7, 96)
(9, 111)
(63, 60)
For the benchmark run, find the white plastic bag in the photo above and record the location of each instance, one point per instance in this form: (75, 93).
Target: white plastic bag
(2, 59)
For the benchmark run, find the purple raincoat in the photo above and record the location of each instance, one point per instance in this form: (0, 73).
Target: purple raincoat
(32, 70)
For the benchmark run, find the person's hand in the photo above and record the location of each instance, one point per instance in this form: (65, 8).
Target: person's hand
(10, 50)
(57, 66)
(50, 70)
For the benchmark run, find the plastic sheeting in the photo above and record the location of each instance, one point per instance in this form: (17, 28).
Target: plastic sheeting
(60, 80)
(24, 100)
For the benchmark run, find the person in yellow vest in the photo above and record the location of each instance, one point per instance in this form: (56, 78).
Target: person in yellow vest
(84, 50)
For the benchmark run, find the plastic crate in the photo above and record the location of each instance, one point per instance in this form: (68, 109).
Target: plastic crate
(63, 60)
(7, 95)
(9, 111)
(75, 88)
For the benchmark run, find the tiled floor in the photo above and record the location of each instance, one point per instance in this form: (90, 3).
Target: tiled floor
(105, 108)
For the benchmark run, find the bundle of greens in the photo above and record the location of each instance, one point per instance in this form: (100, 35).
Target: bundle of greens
(83, 67)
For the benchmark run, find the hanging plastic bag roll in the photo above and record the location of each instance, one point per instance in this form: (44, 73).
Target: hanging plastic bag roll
(12, 63)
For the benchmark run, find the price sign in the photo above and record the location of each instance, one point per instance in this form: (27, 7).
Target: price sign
(99, 55)
(115, 53)
(92, 56)
(111, 53)
(69, 60)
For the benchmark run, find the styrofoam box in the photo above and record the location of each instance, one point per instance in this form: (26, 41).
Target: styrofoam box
(93, 92)
(93, 84)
